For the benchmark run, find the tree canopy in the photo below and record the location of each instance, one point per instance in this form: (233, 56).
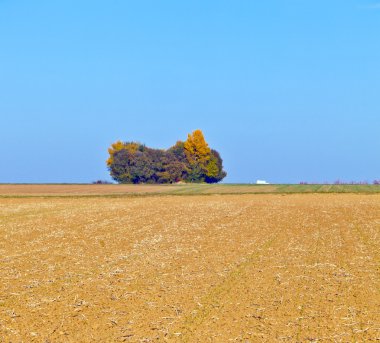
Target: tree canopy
(189, 161)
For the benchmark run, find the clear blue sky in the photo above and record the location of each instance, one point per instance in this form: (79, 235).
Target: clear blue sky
(285, 90)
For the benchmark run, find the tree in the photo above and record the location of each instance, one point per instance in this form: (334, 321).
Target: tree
(130, 167)
(215, 172)
(118, 146)
(190, 161)
(198, 155)
(197, 150)
(133, 163)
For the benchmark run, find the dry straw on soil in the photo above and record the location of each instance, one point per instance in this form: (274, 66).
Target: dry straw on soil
(221, 268)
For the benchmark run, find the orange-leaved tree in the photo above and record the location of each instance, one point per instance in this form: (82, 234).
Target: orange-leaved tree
(196, 149)
(198, 154)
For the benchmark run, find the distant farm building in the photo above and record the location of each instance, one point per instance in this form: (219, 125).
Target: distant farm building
(261, 182)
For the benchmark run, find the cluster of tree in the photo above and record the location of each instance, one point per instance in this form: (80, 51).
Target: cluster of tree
(189, 161)
(101, 182)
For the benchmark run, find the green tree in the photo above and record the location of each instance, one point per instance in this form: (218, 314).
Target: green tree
(215, 172)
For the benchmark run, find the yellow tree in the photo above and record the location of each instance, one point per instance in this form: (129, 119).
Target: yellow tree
(197, 151)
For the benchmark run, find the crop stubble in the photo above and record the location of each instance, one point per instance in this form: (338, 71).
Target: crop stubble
(218, 268)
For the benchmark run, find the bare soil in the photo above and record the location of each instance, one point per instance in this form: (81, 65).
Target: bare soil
(77, 190)
(217, 268)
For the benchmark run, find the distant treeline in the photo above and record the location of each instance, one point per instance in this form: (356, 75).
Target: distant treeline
(339, 182)
(189, 161)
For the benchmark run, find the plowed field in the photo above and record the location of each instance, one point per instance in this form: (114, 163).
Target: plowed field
(216, 268)
(81, 190)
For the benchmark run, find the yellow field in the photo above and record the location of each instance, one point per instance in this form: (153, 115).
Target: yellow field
(217, 268)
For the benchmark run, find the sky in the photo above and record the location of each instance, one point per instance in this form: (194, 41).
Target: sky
(286, 90)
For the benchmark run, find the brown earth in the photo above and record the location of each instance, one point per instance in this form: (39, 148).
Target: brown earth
(129, 189)
(119, 190)
(75, 190)
(218, 268)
